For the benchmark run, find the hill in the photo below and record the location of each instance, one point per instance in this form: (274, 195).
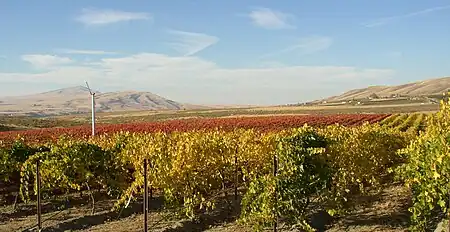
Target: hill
(426, 88)
(77, 100)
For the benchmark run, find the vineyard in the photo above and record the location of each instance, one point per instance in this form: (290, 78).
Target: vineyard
(406, 122)
(282, 169)
(274, 123)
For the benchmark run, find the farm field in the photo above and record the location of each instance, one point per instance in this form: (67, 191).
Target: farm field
(406, 122)
(258, 123)
(125, 117)
(95, 184)
(24, 123)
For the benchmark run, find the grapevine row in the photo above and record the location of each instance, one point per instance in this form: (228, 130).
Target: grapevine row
(272, 123)
(426, 170)
(189, 168)
(407, 122)
(413, 122)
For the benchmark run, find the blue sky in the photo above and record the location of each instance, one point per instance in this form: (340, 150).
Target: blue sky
(222, 52)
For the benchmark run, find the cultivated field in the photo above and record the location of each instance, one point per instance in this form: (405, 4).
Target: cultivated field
(212, 171)
(24, 123)
(273, 123)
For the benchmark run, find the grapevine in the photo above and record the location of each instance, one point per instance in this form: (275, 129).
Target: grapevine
(191, 168)
(407, 122)
(360, 157)
(73, 165)
(417, 125)
(398, 120)
(427, 168)
(303, 173)
(264, 124)
(389, 119)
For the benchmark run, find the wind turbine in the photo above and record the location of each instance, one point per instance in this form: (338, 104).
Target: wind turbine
(93, 108)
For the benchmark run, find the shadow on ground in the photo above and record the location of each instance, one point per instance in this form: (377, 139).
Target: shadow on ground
(228, 210)
(87, 221)
(48, 206)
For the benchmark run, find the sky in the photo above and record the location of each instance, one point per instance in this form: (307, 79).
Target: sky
(256, 52)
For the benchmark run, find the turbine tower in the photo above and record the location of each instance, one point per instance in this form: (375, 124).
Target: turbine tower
(92, 109)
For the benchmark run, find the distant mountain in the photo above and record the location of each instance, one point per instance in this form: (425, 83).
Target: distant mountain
(77, 100)
(429, 88)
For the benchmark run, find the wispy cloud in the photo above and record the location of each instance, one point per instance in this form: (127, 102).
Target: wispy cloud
(46, 61)
(190, 43)
(386, 20)
(90, 16)
(199, 81)
(2, 57)
(270, 19)
(305, 46)
(86, 52)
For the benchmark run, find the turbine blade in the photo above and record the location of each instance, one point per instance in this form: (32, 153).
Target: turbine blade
(88, 88)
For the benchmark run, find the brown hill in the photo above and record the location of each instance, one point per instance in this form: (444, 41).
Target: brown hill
(431, 87)
(77, 100)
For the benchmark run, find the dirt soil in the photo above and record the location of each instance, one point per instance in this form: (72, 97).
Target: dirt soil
(384, 211)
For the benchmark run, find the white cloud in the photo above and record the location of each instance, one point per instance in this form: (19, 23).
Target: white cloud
(271, 19)
(107, 16)
(46, 61)
(189, 43)
(386, 20)
(195, 80)
(305, 46)
(86, 52)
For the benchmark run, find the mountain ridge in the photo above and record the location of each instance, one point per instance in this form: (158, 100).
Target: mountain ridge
(76, 99)
(429, 87)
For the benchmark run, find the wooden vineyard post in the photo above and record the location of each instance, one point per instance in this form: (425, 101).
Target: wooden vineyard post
(151, 189)
(38, 185)
(145, 197)
(275, 171)
(235, 174)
